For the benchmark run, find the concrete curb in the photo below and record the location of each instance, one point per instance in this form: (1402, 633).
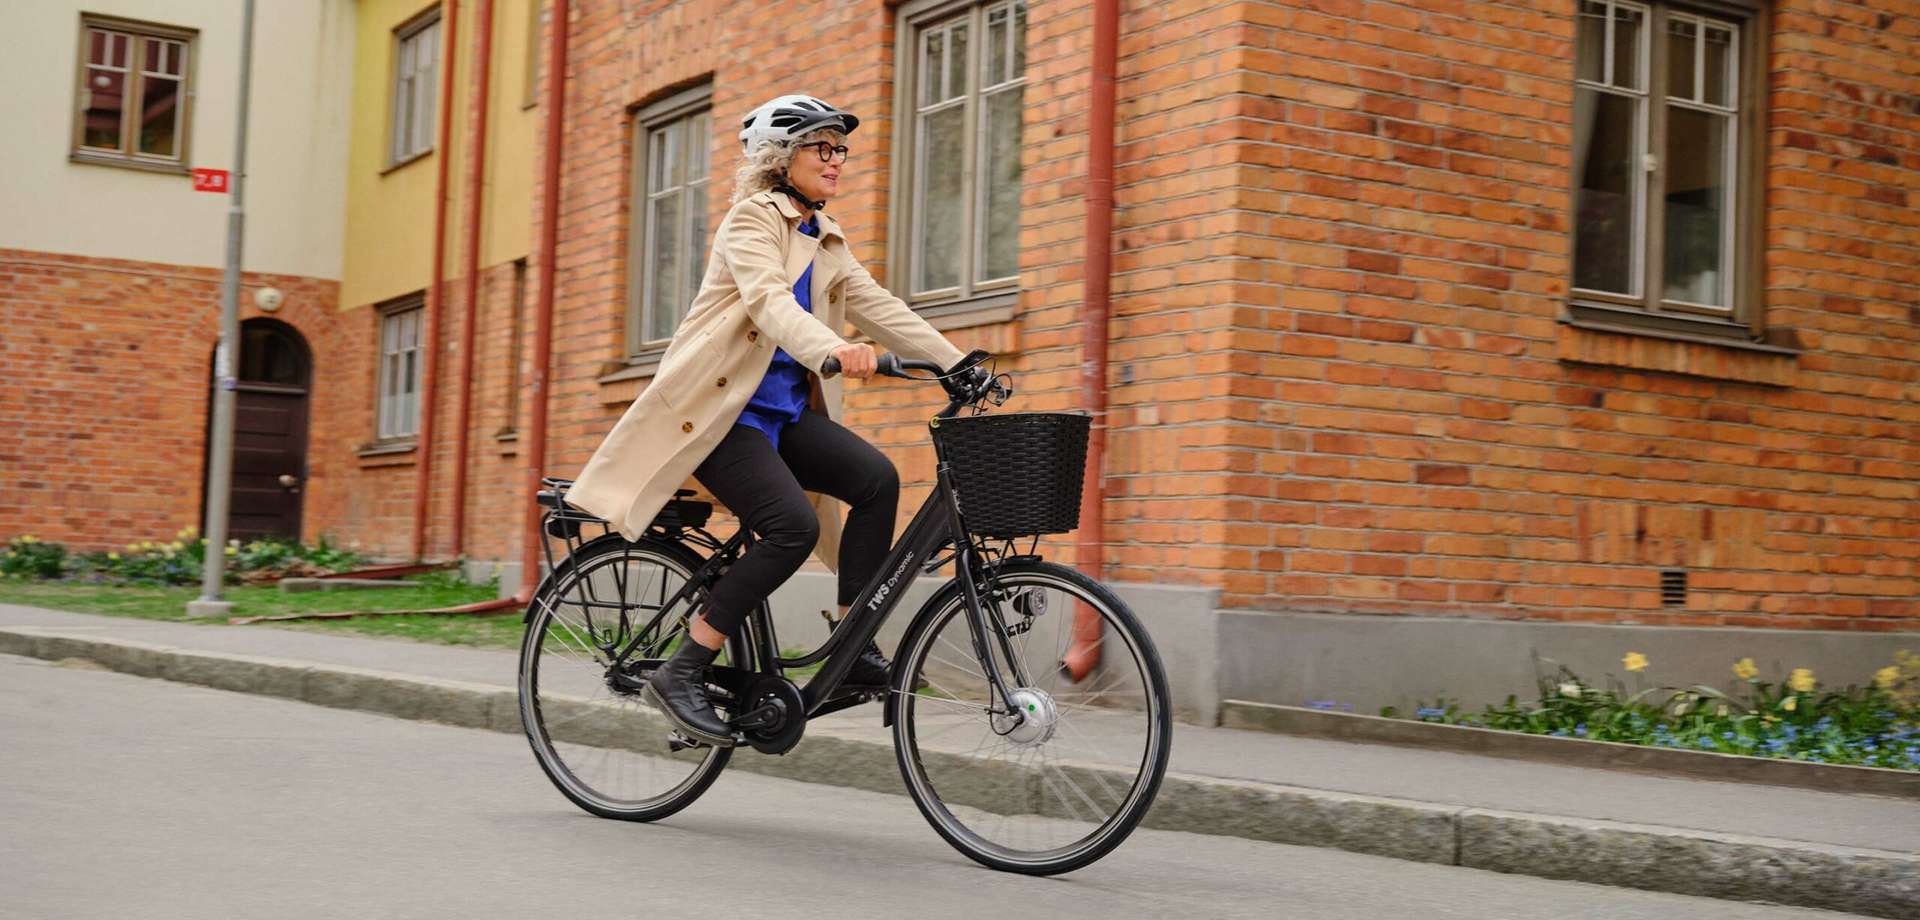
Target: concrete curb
(1577, 752)
(1681, 861)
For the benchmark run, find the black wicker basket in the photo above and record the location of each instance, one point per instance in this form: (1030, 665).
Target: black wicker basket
(1018, 474)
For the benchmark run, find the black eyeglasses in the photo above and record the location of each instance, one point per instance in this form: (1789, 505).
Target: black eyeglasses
(829, 152)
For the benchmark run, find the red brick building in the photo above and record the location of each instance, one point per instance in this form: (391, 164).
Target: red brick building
(1544, 312)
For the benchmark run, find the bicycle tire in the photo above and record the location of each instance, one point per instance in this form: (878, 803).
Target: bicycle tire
(915, 652)
(548, 600)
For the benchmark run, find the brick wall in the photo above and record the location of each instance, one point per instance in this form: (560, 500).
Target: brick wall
(1412, 429)
(104, 394)
(1342, 243)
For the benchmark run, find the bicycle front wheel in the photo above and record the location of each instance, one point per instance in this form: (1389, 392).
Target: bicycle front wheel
(603, 747)
(1063, 780)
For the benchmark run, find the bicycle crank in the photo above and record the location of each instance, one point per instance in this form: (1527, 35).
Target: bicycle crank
(775, 715)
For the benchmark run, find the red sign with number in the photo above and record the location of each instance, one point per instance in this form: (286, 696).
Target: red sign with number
(210, 180)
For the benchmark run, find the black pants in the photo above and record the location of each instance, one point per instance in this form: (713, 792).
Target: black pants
(764, 489)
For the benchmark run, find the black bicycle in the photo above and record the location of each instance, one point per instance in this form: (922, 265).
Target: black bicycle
(1013, 761)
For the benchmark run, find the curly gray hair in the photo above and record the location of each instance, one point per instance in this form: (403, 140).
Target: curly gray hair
(767, 165)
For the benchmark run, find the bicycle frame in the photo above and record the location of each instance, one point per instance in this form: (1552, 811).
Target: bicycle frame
(935, 526)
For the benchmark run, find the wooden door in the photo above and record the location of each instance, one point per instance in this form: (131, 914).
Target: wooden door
(269, 432)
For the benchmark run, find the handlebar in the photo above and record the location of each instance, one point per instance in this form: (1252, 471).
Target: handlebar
(966, 383)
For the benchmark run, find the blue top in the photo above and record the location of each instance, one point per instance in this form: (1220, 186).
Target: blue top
(782, 396)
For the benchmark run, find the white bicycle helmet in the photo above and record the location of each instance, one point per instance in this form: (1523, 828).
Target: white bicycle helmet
(791, 117)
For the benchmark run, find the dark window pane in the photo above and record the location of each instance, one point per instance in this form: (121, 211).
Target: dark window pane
(1718, 72)
(938, 216)
(664, 266)
(1681, 36)
(1627, 36)
(996, 46)
(268, 355)
(1019, 37)
(1590, 48)
(935, 67)
(696, 246)
(957, 62)
(1001, 222)
(1607, 203)
(1696, 198)
(159, 116)
(105, 99)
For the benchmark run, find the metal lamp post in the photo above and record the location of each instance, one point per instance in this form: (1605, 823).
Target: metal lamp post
(225, 373)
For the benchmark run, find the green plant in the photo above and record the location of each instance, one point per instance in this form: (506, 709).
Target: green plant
(1877, 725)
(28, 556)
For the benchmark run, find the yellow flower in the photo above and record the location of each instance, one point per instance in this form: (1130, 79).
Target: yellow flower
(113, 556)
(233, 550)
(1634, 661)
(133, 547)
(1886, 677)
(1745, 669)
(1790, 703)
(1801, 680)
(29, 538)
(176, 546)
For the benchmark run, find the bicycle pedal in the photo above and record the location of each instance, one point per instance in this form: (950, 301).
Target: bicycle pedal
(677, 742)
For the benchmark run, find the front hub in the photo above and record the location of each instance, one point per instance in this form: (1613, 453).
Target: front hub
(1035, 719)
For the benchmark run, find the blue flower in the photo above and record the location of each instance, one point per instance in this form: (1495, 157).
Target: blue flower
(1431, 712)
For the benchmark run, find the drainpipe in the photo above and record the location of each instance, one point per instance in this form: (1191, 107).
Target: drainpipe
(1084, 653)
(476, 212)
(542, 345)
(430, 336)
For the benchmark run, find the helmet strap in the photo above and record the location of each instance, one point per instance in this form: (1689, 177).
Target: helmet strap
(794, 193)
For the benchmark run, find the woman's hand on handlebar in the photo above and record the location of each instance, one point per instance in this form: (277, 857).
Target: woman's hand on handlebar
(857, 360)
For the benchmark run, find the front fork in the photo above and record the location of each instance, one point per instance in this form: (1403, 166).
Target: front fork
(984, 622)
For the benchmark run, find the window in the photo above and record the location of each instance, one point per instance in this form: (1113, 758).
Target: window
(398, 413)
(515, 320)
(416, 73)
(529, 93)
(668, 240)
(1666, 196)
(134, 94)
(962, 74)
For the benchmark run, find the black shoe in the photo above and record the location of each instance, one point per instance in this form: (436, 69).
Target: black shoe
(871, 669)
(678, 689)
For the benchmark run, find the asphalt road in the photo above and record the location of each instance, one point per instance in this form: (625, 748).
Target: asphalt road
(126, 797)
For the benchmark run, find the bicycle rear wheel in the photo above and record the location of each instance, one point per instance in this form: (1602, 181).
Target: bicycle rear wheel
(603, 747)
(1066, 780)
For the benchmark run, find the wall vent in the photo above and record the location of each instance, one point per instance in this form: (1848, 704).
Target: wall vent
(1673, 587)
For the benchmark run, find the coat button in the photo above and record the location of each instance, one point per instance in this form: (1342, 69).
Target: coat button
(721, 382)
(686, 427)
(753, 335)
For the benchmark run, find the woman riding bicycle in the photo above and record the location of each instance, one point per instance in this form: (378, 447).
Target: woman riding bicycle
(737, 401)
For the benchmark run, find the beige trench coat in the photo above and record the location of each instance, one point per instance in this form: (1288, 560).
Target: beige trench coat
(745, 309)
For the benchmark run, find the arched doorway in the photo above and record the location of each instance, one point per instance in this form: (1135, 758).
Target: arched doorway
(269, 431)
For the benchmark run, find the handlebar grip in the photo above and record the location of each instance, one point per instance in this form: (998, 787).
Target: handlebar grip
(888, 366)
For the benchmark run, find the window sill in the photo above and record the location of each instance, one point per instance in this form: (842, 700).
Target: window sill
(395, 452)
(1589, 337)
(981, 310)
(102, 159)
(621, 381)
(402, 164)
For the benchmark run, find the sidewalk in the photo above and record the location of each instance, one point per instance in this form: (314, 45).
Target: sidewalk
(1817, 849)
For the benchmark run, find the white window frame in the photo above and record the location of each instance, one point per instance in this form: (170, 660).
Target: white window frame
(397, 380)
(995, 297)
(414, 100)
(1647, 310)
